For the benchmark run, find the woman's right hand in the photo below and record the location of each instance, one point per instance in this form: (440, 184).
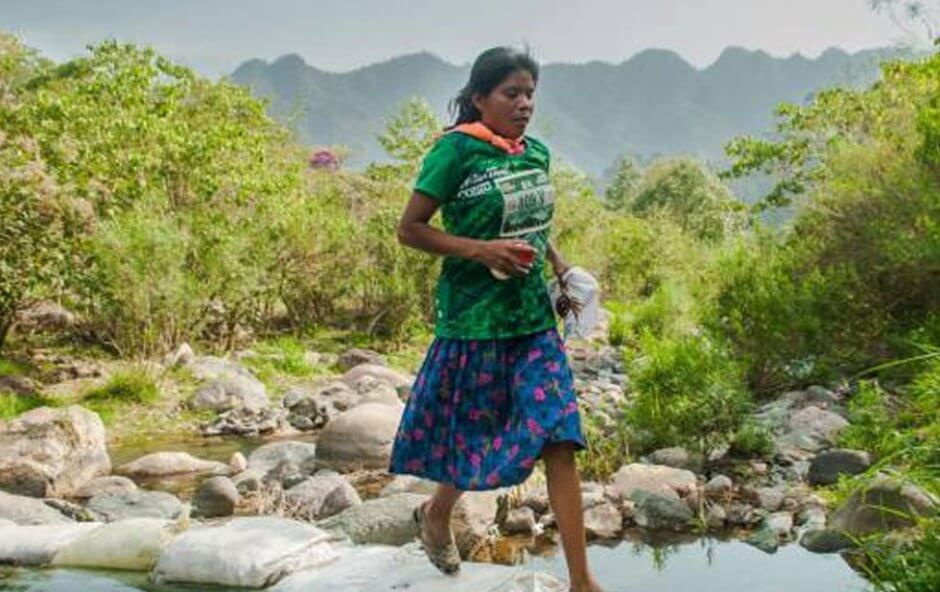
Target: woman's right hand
(510, 256)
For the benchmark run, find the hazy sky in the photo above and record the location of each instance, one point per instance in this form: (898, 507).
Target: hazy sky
(216, 35)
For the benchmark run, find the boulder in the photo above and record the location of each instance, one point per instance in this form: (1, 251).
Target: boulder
(232, 391)
(321, 496)
(216, 497)
(360, 438)
(36, 545)
(301, 455)
(660, 512)
(826, 467)
(603, 521)
(519, 521)
(357, 357)
(662, 480)
(109, 484)
(29, 511)
(679, 458)
(884, 504)
(132, 544)
(110, 507)
(381, 521)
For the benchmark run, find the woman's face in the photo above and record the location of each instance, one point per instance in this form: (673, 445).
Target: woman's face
(508, 108)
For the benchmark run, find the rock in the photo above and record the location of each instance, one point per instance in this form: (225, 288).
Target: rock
(109, 484)
(380, 521)
(537, 499)
(592, 494)
(250, 552)
(247, 422)
(71, 510)
(237, 462)
(183, 356)
(679, 458)
(812, 518)
(110, 507)
(658, 512)
(472, 518)
(164, 464)
(766, 538)
(208, 368)
(45, 316)
(658, 479)
(810, 430)
(741, 514)
(232, 391)
(520, 521)
(603, 521)
(373, 390)
(409, 484)
(301, 455)
(249, 481)
(18, 385)
(314, 407)
(356, 356)
(822, 396)
(399, 381)
(766, 498)
(825, 541)
(827, 466)
(321, 496)
(216, 496)
(360, 438)
(28, 511)
(716, 516)
(50, 452)
(36, 545)
(884, 504)
(718, 486)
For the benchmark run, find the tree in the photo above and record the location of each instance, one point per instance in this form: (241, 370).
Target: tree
(408, 135)
(623, 187)
(686, 192)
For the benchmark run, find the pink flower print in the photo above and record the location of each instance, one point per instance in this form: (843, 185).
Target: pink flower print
(428, 420)
(572, 407)
(534, 427)
(484, 378)
(421, 380)
(553, 366)
(497, 443)
(418, 434)
(460, 441)
(463, 360)
(452, 470)
(414, 465)
(513, 451)
(527, 463)
(535, 354)
(476, 414)
(492, 479)
(438, 452)
(539, 394)
(475, 460)
(473, 346)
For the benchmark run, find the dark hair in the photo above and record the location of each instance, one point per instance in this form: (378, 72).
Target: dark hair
(490, 69)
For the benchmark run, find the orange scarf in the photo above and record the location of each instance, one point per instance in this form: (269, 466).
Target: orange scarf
(481, 132)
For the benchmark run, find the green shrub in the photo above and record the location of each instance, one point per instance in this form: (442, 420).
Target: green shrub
(12, 404)
(686, 391)
(752, 440)
(607, 449)
(129, 386)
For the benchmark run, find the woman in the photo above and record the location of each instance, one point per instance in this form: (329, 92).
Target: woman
(495, 391)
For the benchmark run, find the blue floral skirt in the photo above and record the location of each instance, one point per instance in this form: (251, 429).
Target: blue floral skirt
(480, 411)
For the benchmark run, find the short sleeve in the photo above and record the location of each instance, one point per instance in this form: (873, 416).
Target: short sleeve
(440, 174)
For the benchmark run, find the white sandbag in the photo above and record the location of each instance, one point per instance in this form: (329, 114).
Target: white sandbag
(391, 569)
(36, 545)
(582, 287)
(252, 552)
(132, 544)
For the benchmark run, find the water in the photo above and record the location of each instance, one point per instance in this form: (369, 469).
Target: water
(701, 566)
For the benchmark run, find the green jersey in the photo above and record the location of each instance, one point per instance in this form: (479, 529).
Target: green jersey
(486, 193)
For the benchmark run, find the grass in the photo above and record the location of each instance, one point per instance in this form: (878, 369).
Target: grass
(12, 404)
(129, 387)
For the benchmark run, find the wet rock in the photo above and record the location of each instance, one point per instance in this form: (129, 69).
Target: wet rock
(810, 430)
(247, 422)
(409, 484)
(741, 514)
(825, 541)
(473, 517)
(715, 517)
(380, 521)
(603, 521)
(884, 504)
(25, 510)
(321, 496)
(299, 454)
(812, 518)
(658, 512)
(719, 486)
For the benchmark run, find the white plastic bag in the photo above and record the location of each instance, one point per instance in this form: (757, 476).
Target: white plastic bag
(582, 287)
(252, 552)
(36, 545)
(376, 568)
(131, 544)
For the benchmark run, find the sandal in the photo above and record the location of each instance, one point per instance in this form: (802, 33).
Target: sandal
(445, 557)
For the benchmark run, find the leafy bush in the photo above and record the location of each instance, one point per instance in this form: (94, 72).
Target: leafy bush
(686, 391)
